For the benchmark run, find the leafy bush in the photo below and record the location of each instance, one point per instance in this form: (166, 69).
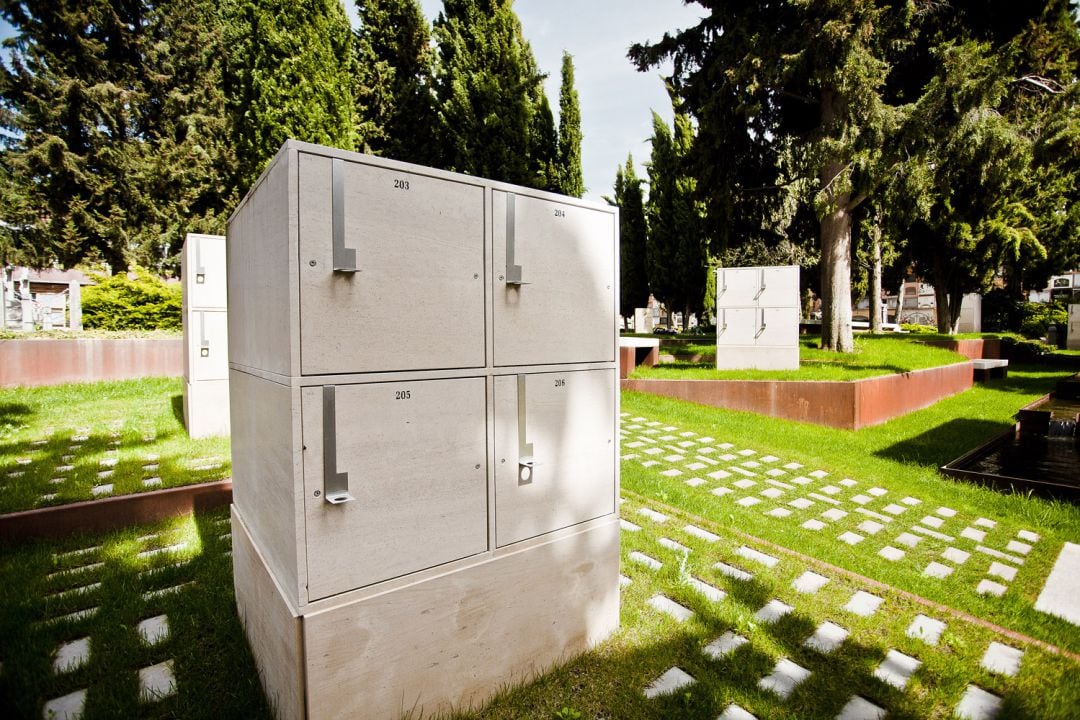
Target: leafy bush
(918, 329)
(120, 303)
(1001, 312)
(1038, 317)
(1019, 349)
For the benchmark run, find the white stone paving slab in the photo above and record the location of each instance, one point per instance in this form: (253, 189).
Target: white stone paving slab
(695, 466)
(818, 474)
(66, 707)
(747, 453)
(769, 458)
(986, 523)
(933, 533)
(793, 466)
(701, 533)
(105, 489)
(628, 526)
(908, 539)
(911, 501)
(773, 611)
(932, 521)
(1014, 559)
(1008, 573)
(834, 514)
(673, 545)
(972, 534)
(694, 481)
(732, 572)
(937, 570)
(669, 607)
(890, 553)
(785, 676)
(71, 655)
(1018, 547)
(926, 629)
(672, 680)
(858, 708)
(830, 490)
(724, 645)
(779, 512)
(719, 475)
(1002, 659)
(653, 515)
(877, 516)
(945, 512)
(801, 503)
(772, 493)
(624, 581)
(1028, 536)
(156, 682)
(870, 527)
(800, 480)
(759, 557)
(894, 509)
(653, 451)
(151, 482)
(848, 483)
(672, 472)
(744, 484)
(176, 547)
(977, 704)
(851, 538)
(863, 603)
(748, 501)
(896, 669)
(734, 712)
(1061, 594)
(861, 499)
(876, 491)
(989, 587)
(153, 630)
(810, 582)
(710, 592)
(824, 498)
(776, 472)
(813, 525)
(826, 638)
(956, 555)
(721, 491)
(648, 561)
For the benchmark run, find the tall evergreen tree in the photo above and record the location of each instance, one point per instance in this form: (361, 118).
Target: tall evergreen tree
(570, 179)
(488, 88)
(543, 147)
(394, 102)
(633, 280)
(73, 94)
(289, 75)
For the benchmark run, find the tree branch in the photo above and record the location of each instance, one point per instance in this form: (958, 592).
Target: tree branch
(1041, 83)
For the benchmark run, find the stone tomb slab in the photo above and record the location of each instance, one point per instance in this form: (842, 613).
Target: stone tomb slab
(826, 638)
(977, 704)
(785, 677)
(858, 708)
(673, 679)
(896, 669)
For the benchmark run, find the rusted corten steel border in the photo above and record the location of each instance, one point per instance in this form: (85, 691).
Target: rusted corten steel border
(848, 405)
(52, 362)
(972, 348)
(115, 512)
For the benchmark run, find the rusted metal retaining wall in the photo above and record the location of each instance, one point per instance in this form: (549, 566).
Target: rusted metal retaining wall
(115, 512)
(848, 405)
(972, 348)
(51, 362)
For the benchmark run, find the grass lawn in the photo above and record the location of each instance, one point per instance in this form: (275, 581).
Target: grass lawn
(874, 355)
(64, 443)
(899, 459)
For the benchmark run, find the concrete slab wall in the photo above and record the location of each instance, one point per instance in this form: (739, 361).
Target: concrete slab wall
(51, 362)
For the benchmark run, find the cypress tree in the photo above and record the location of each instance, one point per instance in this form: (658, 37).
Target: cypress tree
(543, 148)
(488, 87)
(290, 75)
(393, 87)
(633, 281)
(570, 179)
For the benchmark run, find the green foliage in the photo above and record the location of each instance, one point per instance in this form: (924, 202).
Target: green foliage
(1036, 318)
(567, 713)
(1020, 349)
(633, 280)
(570, 179)
(918, 329)
(393, 79)
(489, 91)
(290, 75)
(122, 303)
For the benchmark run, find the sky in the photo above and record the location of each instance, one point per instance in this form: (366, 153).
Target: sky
(616, 100)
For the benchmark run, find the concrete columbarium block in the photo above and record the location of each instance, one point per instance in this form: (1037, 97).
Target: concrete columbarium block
(757, 324)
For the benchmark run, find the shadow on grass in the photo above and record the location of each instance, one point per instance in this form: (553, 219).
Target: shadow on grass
(177, 404)
(12, 413)
(943, 443)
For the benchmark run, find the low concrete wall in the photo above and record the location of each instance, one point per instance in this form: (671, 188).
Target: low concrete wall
(115, 512)
(848, 405)
(51, 362)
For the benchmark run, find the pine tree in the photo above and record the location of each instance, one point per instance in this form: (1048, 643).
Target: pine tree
(633, 281)
(290, 75)
(74, 114)
(570, 179)
(394, 103)
(488, 88)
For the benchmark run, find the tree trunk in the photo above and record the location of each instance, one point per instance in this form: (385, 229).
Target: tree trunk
(875, 275)
(836, 281)
(941, 302)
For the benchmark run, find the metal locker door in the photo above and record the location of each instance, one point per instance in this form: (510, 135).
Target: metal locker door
(737, 326)
(395, 479)
(554, 451)
(739, 287)
(554, 282)
(383, 250)
(207, 337)
(781, 287)
(781, 327)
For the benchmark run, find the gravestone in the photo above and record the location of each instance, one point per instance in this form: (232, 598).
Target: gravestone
(424, 444)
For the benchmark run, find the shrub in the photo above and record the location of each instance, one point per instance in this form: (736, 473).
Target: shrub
(1019, 349)
(918, 329)
(1037, 318)
(143, 303)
